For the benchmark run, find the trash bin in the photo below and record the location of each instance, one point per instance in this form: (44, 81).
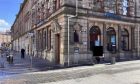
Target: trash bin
(11, 59)
(8, 58)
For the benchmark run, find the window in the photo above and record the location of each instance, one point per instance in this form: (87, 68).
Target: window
(111, 39)
(125, 7)
(124, 40)
(76, 36)
(110, 6)
(41, 43)
(49, 39)
(44, 39)
(98, 5)
(57, 4)
(39, 40)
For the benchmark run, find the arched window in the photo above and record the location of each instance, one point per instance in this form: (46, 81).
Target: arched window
(124, 40)
(95, 37)
(76, 36)
(111, 39)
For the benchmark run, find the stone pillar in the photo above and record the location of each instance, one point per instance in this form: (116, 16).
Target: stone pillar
(119, 42)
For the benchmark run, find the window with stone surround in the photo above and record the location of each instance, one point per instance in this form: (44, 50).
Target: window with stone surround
(98, 5)
(111, 39)
(49, 38)
(42, 10)
(46, 9)
(44, 39)
(39, 40)
(121, 7)
(76, 34)
(56, 4)
(27, 16)
(110, 6)
(124, 39)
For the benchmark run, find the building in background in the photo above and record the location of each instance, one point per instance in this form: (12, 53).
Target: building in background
(5, 39)
(65, 32)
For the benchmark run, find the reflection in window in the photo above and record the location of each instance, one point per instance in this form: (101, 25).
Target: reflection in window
(124, 40)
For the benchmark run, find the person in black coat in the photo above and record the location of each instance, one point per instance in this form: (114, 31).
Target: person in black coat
(22, 53)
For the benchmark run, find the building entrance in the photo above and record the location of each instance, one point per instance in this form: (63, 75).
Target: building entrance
(95, 37)
(57, 48)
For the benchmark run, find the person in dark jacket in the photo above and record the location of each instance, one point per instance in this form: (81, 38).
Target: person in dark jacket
(22, 53)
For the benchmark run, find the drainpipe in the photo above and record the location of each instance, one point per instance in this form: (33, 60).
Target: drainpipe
(138, 40)
(69, 17)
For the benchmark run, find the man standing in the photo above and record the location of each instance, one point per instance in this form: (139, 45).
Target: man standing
(22, 53)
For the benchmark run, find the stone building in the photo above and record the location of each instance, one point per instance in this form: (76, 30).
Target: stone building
(64, 32)
(5, 39)
(137, 25)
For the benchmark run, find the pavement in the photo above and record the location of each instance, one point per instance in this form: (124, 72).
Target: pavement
(21, 72)
(119, 73)
(21, 65)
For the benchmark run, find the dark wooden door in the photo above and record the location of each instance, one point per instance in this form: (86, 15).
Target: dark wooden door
(57, 48)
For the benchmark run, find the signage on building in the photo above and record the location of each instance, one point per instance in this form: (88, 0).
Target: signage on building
(112, 15)
(84, 43)
(76, 50)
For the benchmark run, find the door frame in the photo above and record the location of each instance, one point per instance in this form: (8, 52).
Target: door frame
(57, 48)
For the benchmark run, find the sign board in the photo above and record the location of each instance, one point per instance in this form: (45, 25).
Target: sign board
(84, 43)
(76, 50)
(112, 15)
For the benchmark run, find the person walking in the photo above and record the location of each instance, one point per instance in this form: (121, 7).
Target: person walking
(22, 53)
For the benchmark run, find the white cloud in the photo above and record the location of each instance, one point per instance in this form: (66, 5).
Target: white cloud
(4, 25)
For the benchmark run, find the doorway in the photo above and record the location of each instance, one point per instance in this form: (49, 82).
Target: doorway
(57, 48)
(95, 37)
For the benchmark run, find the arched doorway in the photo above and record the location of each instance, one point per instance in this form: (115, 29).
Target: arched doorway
(111, 39)
(95, 37)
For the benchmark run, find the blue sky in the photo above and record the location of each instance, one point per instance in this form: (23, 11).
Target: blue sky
(8, 11)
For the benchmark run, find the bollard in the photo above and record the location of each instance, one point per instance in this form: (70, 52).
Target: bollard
(113, 60)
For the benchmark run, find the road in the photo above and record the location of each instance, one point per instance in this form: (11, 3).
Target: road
(127, 72)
